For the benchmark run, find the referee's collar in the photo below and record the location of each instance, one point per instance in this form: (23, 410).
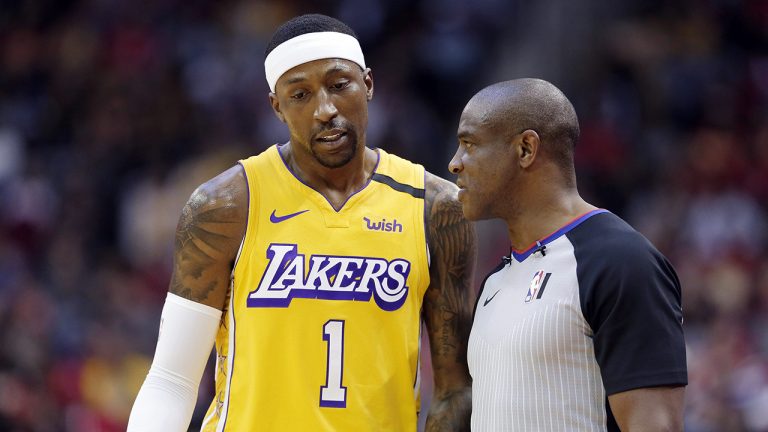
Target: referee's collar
(520, 256)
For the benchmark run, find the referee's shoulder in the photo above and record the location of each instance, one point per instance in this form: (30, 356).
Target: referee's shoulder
(614, 240)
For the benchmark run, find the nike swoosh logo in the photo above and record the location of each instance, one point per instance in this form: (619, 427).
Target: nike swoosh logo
(278, 219)
(488, 300)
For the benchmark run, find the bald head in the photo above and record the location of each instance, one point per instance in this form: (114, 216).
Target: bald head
(510, 107)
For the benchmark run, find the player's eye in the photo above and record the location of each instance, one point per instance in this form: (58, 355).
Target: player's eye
(340, 85)
(299, 94)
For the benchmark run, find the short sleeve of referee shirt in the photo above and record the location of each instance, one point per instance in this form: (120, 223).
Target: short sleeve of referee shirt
(630, 296)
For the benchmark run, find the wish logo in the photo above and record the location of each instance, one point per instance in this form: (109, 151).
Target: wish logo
(329, 277)
(382, 225)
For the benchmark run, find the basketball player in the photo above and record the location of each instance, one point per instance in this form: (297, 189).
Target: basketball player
(580, 328)
(311, 265)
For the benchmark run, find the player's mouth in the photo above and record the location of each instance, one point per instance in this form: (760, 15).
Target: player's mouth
(332, 138)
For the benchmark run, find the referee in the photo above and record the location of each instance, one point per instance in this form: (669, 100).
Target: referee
(580, 327)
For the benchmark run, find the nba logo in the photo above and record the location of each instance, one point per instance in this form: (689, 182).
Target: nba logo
(538, 283)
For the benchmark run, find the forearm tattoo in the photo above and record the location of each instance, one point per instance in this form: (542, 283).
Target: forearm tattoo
(453, 248)
(448, 306)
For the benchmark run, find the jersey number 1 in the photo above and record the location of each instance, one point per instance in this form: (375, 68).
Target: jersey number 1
(333, 394)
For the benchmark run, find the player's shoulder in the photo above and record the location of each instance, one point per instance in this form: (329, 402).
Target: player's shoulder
(441, 198)
(390, 167)
(226, 195)
(438, 189)
(445, 219)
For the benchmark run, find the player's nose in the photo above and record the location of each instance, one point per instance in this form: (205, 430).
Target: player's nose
(325, 109)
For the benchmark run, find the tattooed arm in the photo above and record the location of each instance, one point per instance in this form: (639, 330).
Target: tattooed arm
(448, 305)
(208, 235)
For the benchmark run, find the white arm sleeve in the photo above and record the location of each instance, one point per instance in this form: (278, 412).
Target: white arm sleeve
(167, 398)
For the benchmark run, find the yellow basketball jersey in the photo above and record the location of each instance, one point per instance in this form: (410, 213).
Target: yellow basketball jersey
(322, 327)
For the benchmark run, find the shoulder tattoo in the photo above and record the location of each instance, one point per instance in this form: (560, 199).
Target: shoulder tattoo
(208, 235)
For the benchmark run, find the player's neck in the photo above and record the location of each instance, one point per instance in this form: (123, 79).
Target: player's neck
(336, 184)
(541, 214)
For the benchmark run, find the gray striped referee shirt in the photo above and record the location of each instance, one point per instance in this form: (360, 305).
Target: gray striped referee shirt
(596, 312)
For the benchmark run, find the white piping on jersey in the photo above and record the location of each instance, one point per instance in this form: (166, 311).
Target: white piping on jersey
(231, 341)
(230, 356)
(417, 384)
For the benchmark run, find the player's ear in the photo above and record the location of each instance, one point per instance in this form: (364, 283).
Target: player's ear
(528, 147)
(275, 103)
(368, 80)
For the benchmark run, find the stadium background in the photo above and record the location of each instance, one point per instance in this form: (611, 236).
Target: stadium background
(112, 111)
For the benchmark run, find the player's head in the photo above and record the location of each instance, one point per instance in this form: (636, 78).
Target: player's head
(513, 136)
(312, 23)
(320, 87)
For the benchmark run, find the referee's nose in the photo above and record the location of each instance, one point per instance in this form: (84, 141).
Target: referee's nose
(455, 166)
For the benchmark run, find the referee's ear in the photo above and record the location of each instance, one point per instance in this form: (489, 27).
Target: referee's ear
(275, 103)
(528, 147)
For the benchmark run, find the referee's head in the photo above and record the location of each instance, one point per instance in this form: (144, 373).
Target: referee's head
(516, 141)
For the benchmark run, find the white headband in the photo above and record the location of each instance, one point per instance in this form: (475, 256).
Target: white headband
(308, 47)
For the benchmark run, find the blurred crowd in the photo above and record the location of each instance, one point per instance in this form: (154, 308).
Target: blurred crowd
(113, 111)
